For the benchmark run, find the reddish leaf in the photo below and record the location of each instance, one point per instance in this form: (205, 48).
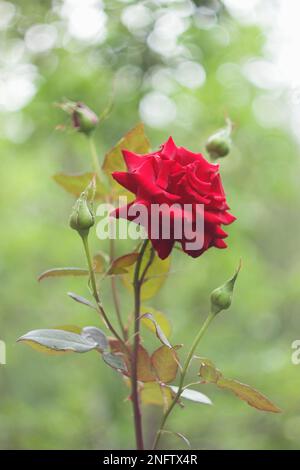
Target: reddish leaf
(120, 264)
(144, 366)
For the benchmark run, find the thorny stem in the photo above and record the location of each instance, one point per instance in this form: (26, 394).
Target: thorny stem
(188, 360)
(137, 283)
(84, 237)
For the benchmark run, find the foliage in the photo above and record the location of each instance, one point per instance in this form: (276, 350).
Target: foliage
(45, 410)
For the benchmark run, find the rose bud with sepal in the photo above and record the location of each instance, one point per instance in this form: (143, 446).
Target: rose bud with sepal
(218, 145)
(221, 297)
(83, 118)
(82, 217)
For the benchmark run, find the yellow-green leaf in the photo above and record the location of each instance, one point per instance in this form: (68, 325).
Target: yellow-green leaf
(156, 273)
(76, 184)
(208, 371)
(152, 393)
(136, 141)
(158, 331)
(165, 363)
(159, 317)
(210, 374)
(62, 272)
(248, 394)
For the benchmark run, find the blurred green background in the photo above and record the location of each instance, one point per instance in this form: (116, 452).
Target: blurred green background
(181, 67)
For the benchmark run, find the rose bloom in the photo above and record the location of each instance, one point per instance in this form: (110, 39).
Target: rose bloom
(174, 176)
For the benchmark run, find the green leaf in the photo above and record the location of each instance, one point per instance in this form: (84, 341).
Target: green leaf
(120, 264)
(156, 274)
(192, 395)
(136, 141)
(81, 300)
(58, 340)
(253, 397)
(76, 184)
(62, 272)
(158, 330)
(115, 361)
(96, 335)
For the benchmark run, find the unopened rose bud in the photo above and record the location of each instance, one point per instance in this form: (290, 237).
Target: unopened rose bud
(82, 217)
(218, 145)
(83, 118)
(221, 297)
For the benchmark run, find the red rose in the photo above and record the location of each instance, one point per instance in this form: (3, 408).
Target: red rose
(175, 177)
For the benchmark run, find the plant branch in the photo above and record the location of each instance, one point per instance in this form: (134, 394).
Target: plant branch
(115, 292)
(149, 262)
(100, 308)
(134, 360)
(188, 360)
(95, 159)
(97, 169)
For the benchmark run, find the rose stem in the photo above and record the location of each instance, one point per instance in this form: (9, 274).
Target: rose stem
(188, 360)
(115, 296)
(95, 159)
(134, 377)
(100, 308)
(115, 292)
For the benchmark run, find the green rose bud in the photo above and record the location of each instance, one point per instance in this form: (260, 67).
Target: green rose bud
(218, 145)
(83, 118)
(82, 217)
(221, 297)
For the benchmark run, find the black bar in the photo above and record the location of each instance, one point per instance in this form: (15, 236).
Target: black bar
(134, 459)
